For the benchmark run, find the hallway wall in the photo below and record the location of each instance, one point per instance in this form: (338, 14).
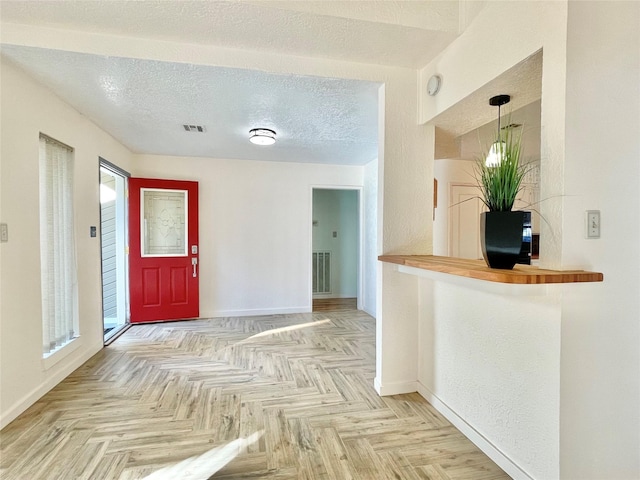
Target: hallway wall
(28, 109)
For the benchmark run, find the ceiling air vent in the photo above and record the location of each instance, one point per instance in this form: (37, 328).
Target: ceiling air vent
(194, 128)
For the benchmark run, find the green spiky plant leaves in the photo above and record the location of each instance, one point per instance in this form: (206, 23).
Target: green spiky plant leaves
(500, 184)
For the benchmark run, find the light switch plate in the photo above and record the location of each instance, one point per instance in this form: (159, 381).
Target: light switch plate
(593, 223)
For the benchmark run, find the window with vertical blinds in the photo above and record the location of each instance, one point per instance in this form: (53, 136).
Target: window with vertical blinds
(57, 245)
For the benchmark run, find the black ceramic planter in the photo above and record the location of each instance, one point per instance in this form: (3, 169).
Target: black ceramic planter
(501, 238)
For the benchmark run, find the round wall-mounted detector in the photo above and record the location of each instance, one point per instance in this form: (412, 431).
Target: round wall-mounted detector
(434, 84)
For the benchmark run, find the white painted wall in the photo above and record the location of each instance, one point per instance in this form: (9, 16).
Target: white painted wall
(27, 110)
(467, 65)
(585, 357)
(405, 196)
(370, 233)
(337, 211)
(496, 369)
(600, 368)
(255, 229)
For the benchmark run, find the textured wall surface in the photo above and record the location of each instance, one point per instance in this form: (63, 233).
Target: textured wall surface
(531, 439)
(588, 47)
(601, 323)
(406, 195)
(494, 360)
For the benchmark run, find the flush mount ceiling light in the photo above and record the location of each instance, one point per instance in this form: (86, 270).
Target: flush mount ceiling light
(495, 152)
(262, 136)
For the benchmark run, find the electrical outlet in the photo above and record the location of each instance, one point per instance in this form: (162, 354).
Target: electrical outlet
(593, 223)
(4, 232)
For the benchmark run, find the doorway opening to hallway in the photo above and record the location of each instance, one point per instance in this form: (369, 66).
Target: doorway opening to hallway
(336, 249)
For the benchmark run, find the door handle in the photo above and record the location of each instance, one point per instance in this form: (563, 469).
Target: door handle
(194, 262)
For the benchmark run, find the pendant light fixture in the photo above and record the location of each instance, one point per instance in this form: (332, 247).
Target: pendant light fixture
(495, 152)
(262, 136)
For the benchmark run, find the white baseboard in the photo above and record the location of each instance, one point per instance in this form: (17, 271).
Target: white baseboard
(395, 388)
(257, 311)
(37, 393)
(494, 453)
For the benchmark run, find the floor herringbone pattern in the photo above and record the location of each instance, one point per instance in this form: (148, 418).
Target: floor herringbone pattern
(165, 392)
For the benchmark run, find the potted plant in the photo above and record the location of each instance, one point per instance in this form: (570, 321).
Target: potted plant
(499, 174)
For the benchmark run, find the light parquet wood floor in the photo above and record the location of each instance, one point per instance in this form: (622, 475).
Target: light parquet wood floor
(165, 392)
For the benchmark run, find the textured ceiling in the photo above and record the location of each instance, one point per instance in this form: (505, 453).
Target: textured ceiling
(398, 33)
(144, 104)
(523, 82)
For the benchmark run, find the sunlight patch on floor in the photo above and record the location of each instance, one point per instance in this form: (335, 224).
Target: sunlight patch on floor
(202, 467)
(290, 328)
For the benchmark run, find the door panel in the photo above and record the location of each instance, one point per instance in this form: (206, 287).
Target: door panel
(163, 233)
(178, 285)
(150, 287)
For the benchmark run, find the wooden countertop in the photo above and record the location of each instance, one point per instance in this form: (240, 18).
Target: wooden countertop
(521, 274)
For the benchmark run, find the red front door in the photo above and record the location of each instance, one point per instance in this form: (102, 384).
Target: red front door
(163, 250)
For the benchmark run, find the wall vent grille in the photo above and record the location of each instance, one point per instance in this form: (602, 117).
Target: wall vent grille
(322, 272)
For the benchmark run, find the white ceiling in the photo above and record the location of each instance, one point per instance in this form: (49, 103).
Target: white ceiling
(144, 103)
(399, 33)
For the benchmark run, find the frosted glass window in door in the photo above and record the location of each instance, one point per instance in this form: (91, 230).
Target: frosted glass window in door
(164, 218)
